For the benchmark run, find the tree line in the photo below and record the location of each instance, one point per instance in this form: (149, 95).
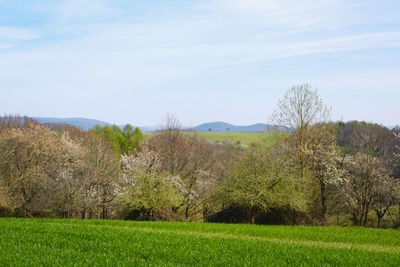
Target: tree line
(316, 172)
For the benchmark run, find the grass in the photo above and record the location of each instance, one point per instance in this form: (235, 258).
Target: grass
(241, 138)
(53, 242)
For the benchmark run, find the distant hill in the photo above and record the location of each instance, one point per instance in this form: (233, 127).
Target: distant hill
(220, 126)
(82, 123)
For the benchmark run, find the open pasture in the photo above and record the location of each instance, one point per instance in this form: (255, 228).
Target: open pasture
(235, 138)
(52, 242)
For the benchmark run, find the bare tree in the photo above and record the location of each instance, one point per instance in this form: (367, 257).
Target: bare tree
(385, 196)
(373, 139)
(16, 121)
(299, 110)
(191, 159)
(366, 185)
(30, 157)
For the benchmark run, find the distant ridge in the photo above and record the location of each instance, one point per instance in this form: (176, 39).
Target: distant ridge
(82, 123)
(218, 126)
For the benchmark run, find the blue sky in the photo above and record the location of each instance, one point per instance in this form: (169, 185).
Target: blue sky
(226, 60)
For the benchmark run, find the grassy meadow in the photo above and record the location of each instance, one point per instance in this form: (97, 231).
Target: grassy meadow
(53, 242)
(236, 138)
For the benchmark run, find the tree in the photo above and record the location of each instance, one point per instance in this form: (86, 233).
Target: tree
(378, 142)
(67, 185)
(145, 187)
(31, 157)
(323, 159)
(261, 180)
(100, 176)
(365, 185)
(385, 196)
(303, 113)
(123, 141)
(373, 139)
(396, 161)
(299, 110)
(131, 139)
(195, 161)
(16, 121)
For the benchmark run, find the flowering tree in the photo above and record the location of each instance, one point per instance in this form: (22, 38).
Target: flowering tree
(367, 185)
(322, 158)
(30, 161)
(145, 187)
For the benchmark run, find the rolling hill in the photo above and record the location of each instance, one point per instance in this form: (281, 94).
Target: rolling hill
(82, 123)
(219, 126)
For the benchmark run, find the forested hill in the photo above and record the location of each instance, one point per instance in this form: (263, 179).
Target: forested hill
(81, 123)
(86, 124)
(218, 126)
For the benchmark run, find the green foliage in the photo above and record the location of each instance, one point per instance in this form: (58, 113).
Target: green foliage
(259, 183)
(151, 192)
(123, 141)
(39, 242)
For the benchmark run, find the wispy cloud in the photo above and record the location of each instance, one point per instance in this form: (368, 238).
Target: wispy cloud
(86, 10)
(11, 36)
(95, 49)
(16, 33)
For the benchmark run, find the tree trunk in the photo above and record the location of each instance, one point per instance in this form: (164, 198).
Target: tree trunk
(399, 209)
(380, 214)
(357, 220)
(104, 212)
(66, 214)
(205, 213)
(323, 200)
(187, 210)
(366, 215)
(379, 221)
(252, 215)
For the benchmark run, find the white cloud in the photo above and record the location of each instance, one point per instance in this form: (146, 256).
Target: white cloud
(259, 5)
(18, 34)
(11, 36)
(300, 15)
(87, 10)
(356, 42)
(5, 46)
(102, 55)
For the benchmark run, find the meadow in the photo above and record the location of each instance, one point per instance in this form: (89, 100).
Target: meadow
(235, 138)
(53, 242)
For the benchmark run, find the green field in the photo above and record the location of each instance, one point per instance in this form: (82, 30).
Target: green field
(232, 137)
(52, 242)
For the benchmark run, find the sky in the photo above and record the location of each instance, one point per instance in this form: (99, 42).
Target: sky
(132, 61)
